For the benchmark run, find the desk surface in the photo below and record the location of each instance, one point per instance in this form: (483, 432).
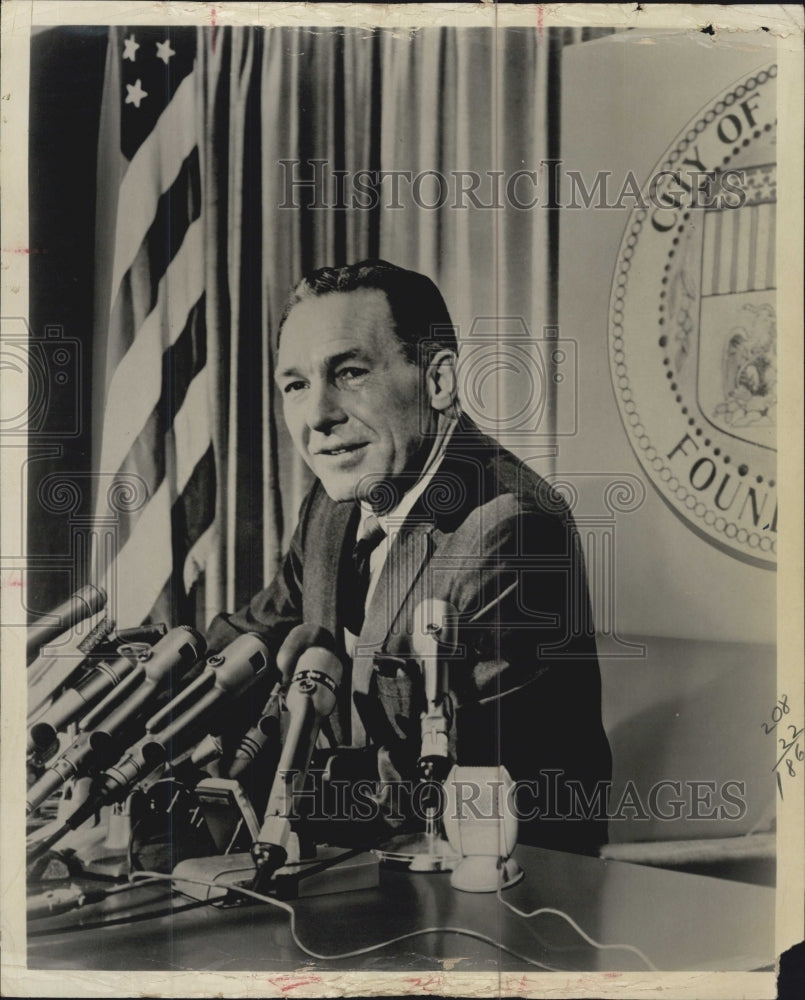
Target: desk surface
(680, 921)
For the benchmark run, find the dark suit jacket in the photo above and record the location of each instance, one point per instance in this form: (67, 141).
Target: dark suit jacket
(491, 538)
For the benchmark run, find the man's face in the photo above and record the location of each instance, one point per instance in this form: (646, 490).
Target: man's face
(355, 408)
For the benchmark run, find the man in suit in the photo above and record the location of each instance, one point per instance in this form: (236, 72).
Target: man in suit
(367, 370)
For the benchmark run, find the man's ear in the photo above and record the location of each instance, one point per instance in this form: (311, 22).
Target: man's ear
(440, 380)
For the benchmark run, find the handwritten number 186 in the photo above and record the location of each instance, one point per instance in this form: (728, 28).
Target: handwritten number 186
(799, 753)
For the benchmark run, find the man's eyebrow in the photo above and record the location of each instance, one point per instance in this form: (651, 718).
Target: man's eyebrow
(287, 373)
(336, 359)
(328, 363)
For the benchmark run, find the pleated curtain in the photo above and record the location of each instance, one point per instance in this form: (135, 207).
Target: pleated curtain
(437, 100)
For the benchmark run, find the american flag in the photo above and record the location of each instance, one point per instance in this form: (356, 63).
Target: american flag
(157, 436)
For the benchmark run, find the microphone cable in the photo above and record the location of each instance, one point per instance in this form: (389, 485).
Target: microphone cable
(132, 918)
(149, 877)
(280, 905)
(464, 931)
(565, 916)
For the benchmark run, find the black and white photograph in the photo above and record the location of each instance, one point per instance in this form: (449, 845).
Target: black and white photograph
(400, 589)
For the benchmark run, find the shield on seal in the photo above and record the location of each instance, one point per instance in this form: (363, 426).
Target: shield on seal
(736, 381)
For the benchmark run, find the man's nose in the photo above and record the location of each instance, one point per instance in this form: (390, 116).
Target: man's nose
(324, 408)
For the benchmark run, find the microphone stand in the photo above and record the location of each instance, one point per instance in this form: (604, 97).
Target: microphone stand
(167, 733)
(433, 642)
(276, 864)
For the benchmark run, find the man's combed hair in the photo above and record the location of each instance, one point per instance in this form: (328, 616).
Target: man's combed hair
(422, 322)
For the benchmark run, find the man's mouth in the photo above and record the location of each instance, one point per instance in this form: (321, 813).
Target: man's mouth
(343, 449)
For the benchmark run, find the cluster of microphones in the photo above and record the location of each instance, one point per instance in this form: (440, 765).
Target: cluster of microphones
(113, 717)
(126, 730)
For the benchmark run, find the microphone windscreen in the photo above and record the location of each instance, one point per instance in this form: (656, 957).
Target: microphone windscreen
(84, 603)
(299, 639)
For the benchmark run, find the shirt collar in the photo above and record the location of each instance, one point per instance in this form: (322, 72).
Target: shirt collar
(392, 520)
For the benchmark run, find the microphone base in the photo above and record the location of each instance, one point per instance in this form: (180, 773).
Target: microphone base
(97, 848)
(486, 874)
(289, 882)
(419, 852)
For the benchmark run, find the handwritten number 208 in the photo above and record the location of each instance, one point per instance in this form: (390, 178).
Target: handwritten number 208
(780, 709)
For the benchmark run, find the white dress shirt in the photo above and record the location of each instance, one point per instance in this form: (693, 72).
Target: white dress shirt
(392, 521)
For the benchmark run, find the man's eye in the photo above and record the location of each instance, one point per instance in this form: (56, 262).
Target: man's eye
(291, 387)
(351, 374)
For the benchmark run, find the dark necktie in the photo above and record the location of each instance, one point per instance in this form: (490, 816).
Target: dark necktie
(357, 586)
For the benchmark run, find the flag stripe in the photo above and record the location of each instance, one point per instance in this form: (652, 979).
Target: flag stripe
(184, 393)
(735, 248)
(127, 411)
(726, 245)
(172, 604)
(708, 252)
(178, 207)
(167, 607)
(137, 296)
(164, 531)
(761, 253)
(191, 434)
(198, 555)
(771, 248)
(143, 563)
(743, 251)
(193, 512)
(751, 278)
(716, 252)
(151, 172)
(172, 596)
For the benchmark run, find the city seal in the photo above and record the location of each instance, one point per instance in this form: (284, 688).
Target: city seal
(693, 323)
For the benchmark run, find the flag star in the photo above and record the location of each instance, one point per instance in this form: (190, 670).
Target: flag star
(135, 94)
(164, 51)
(130, 48)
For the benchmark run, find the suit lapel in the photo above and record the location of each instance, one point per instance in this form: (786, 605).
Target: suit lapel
(412, 547)
(328, 546)
(409, 552)
(323, 557)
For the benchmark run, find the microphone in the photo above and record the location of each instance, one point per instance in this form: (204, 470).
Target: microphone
(310, 699)
(57, 901)
(175, 727)
(180, 649)
(103, 729)
(82, 604)
(98, 636)
(213, 746)
(298, 640)
(77, 701)
(106, 637)
(50, 673)
(150, 634)
(250, 745)
(434, 641)
(265, 733)
(225, 676)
